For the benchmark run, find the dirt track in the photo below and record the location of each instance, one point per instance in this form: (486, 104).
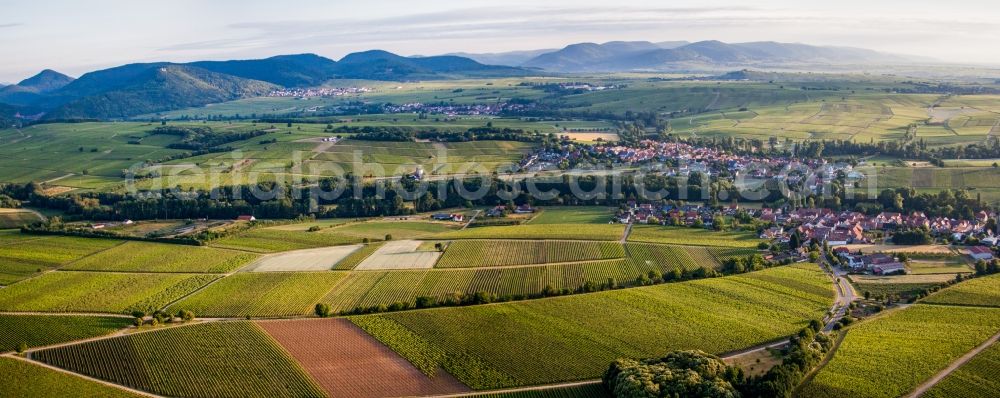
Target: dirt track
(347, 362)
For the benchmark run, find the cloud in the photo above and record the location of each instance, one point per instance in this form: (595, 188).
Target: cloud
(10, 25)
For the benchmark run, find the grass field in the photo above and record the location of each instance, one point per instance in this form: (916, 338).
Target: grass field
(893, 353)
(574, 215)
(261, 294)
(25, 255)
(691, 236)
(494, 253)
(576, 337)
(224, 359)
(23, 379)
(982, 291)
(40, 330)
(106, 292)
(269, 240)
(377, 230)
(15, 218)
(541, 231)
(159, 257)
(978, 378)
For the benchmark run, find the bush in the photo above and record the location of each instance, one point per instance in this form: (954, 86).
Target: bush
(323, 310)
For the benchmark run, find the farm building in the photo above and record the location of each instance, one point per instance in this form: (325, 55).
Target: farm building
(524, 209)
(980, 253)
(889, 268)
(245, 217)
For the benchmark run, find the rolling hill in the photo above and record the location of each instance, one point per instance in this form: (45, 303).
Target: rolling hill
(703, 55)
(141, 88)
(32, 88)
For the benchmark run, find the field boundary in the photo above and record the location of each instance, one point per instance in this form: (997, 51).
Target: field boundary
(933, 381)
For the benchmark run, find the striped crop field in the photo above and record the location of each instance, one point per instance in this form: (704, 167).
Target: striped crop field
(982, 291)
(42, 330)
(576, 337)
(668, 258)
(269, 240)
(495, 253)
(540, 231)
(22, 256)
(159, 257)
(46, 382)
(261, 294)
(218, 359)
(107, 292)
(978, 378)
(691, 236)
(356, 257)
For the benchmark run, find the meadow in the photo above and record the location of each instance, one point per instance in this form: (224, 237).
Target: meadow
(26, 255)
(266, 294)
(691, 236)
(50, 383)
(40, 330)
(892, 353)
(573, 215)
(106, 292)
(496, 253)
(269, 240)
(978, 378)
(224, 359)
(15, 218)
(981, 292)
(158, 257)
(575, 337)
(541, 231)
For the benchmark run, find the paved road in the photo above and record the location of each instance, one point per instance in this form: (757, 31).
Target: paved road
(951, 368)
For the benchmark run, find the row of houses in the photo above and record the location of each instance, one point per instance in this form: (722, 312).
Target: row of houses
(848, 227)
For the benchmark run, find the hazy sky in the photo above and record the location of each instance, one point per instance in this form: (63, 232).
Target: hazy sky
(78, 36)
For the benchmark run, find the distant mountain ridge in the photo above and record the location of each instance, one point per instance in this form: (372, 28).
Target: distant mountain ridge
(135, 89)
(646, 56)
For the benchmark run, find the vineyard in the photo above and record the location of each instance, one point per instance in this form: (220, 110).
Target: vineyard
(158, 257)
(983, 291)
(219, 359)
(691, 236)
(26, 255)
(978, 378)
(573, 215)
(668, 258)
(890, 355)
(37, 330)
(268, 240)
(541, 231)
(356, 257)
(495, 253)
(595, 390)
(261, 294)
(377, 230)
(49, 383)
(575, 337)
(106, 292)
(374, 288)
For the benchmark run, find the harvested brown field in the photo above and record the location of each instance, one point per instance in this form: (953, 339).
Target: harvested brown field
(347, 362)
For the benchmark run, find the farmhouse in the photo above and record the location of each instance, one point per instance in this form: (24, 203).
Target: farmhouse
(980, 253)
(246, 217)
(524, 209)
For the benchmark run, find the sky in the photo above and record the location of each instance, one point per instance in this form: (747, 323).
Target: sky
(75, 37)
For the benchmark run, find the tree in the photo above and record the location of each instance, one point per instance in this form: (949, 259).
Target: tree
(678, 374)
(185, 315)
(388, 237)
(322, 310)
(22, 347)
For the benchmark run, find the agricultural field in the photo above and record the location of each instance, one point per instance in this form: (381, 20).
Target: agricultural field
(269, 240)
(42, 382)
(951, 265)
(668, 258)
(575, 337)
(105, 292)
(15, 218)
(691, 236)
(401, 255)
(595, 390)
(980, 292)
(261, 294)
(385, 158)
(573, 215)
(218, 359)
(347, 362)
(26, 255)
(377, 230)
(319, 259)
(541, 231)
(42, 330)
(159, 257)
(894, 352)
(498, 253)
(977, 378)
(356, 257)
(370, 289)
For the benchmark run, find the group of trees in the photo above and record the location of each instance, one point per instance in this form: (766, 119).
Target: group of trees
(697, 374)
(201, 138)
